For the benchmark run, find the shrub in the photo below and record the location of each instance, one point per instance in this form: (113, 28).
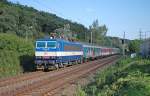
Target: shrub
(80, 92)
(16, 55)
(9, 63)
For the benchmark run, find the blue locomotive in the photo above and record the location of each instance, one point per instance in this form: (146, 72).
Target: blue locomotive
(59, 53)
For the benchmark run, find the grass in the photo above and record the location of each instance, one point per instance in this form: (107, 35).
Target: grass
(9, 64)
(16, 55)
(125, 78)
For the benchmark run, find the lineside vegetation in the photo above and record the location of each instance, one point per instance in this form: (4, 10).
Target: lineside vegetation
(128, 77)
(16, 55)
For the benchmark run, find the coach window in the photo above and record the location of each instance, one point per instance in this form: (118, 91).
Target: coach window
(51, 44)
(40, 44)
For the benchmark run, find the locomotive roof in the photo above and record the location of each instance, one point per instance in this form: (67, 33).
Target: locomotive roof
(61, 40)
(46, 39)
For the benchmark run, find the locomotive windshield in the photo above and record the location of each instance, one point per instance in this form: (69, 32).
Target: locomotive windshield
(41, 44)
(51, 44)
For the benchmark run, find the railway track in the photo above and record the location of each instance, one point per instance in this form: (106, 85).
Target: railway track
(73, 77)
(52, 91)
(22, 77)
(47, 83)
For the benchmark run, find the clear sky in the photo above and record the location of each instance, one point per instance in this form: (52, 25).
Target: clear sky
(118, 15)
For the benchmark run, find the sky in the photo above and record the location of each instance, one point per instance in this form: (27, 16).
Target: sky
(129, 16)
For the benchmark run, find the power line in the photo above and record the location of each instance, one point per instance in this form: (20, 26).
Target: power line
(47, 7)
(140, 34)
(143, 35)
(52, 10)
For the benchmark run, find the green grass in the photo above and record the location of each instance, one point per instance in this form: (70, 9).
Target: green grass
(9, 64)
(137, 81)
(122, 79)
(80, 92)
(16, 55)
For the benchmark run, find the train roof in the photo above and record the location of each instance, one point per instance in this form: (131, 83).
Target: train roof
(84, 44)
(47, 39)
(96, 46)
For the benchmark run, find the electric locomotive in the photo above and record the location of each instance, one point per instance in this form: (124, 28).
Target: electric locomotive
(57, 53)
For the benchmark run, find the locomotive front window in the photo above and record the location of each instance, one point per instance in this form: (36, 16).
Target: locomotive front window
(41, 44)
(51, 44)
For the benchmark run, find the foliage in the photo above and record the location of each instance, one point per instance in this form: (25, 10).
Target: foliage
(14, 43)
(64, 32)
(27, 22)
(80, 92)
(122, 79)
(134, 46)
(98, 32)
(16, 54)
(113, 41)
(9, 63)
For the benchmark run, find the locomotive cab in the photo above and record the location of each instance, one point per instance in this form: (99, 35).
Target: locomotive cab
(45, 53)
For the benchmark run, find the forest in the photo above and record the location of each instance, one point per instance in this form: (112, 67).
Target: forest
(28, 22)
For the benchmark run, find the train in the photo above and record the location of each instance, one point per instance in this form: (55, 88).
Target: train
(57, 53)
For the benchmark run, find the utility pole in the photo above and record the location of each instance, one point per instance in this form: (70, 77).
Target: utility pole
(91, 37)
(123, 45)
(85, 36)
(145, 36)
(140, 34)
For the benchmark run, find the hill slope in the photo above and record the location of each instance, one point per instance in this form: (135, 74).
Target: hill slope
(27, 21)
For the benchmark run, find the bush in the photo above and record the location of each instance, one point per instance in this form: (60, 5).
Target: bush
(122, 79)
(16, 55)
(9, 63)
(80, 92)
(14, 43)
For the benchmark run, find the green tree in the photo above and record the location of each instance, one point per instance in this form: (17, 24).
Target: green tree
(30, 23)
(134, 46)
(98, 32)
